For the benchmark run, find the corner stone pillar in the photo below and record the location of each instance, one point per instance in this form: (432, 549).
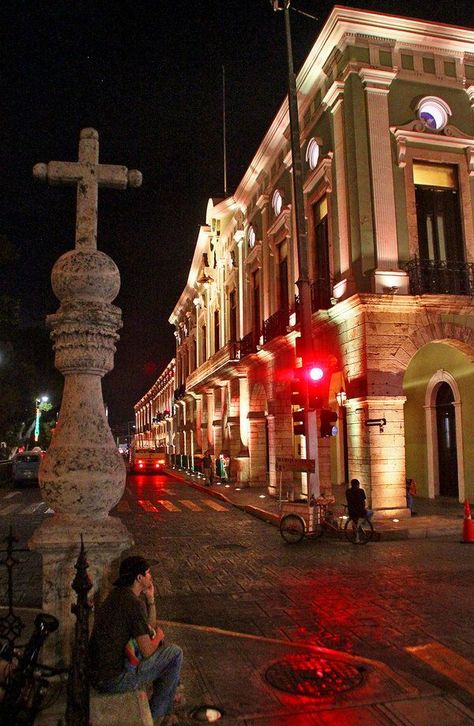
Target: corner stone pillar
(377, 458)
(257, 447)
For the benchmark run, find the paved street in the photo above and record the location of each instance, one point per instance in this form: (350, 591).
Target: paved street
(407, 604)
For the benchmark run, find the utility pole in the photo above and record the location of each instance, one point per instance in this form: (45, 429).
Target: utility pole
(301, 233)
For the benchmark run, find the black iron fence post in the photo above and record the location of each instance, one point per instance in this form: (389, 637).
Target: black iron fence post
(77, 711)
(11, 624)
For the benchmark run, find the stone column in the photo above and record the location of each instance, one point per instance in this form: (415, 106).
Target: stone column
(334, 99)
(377, 457)
(377, 85)
(257, 448)
(82, 476)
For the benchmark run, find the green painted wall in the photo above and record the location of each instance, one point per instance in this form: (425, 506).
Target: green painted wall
(428, 360)
(404, 94)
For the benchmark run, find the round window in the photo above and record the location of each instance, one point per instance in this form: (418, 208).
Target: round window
(277, 202)
(312, 153)
(251, 236)
(433, 112)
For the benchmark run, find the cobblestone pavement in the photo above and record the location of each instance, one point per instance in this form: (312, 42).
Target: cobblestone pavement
(228, 570)
(239, 600)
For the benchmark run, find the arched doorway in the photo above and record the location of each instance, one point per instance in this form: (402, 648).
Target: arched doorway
(446, 436)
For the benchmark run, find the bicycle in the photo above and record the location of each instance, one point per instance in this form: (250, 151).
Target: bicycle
(324, 519)
(26, 684)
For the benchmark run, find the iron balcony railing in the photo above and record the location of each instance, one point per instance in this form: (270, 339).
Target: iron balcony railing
(321, 292)
(275, 325)
(440, 277)
(248, 343)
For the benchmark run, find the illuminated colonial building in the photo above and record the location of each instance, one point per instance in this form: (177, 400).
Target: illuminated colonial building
(154, 413)
(387, 134)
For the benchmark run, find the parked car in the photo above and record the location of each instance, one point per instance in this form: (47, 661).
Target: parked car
(26, 467)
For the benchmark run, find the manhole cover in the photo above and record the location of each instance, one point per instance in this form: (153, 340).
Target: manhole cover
(313, 676)
(230, 546)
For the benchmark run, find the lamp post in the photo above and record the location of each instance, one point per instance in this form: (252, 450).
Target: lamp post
(39, 401)
(301, 234)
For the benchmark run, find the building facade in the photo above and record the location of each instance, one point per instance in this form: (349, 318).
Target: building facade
(387, 134)
(155, 414)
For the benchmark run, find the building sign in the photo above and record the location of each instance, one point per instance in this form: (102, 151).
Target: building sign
(289, 463)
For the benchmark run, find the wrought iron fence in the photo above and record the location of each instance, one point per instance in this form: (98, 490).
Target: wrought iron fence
(11, 627)
(275, 325)
(444, 277)
(248, 343)
(321, 291)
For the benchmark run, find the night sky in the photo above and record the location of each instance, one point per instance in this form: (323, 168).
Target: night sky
(148, 77)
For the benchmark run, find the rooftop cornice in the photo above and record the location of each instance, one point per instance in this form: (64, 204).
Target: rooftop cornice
(342, 23)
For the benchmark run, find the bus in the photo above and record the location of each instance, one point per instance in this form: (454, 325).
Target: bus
(147, 460)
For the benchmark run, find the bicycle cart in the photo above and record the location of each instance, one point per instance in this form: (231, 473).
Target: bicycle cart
(323, 516)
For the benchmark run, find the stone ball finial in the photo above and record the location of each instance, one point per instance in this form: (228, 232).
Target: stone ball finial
(40, 172)
(85, 275)
(135, 178)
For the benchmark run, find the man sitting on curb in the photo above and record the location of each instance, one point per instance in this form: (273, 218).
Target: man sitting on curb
(122, 625)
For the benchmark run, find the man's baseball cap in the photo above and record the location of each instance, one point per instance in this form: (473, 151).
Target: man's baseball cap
(130, 568)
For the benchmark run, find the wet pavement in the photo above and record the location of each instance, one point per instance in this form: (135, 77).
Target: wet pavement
(317, 633)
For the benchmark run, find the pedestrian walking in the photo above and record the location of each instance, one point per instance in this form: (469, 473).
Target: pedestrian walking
(207, 468)
(127, 648)
(411, 494)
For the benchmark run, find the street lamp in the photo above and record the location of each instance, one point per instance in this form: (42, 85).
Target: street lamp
(39, 408)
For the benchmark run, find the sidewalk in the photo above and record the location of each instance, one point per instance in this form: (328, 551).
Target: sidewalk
(434, 518)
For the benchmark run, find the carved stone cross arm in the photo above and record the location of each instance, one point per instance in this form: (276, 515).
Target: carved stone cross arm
(88, 175)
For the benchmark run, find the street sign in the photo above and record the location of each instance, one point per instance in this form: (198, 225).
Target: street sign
(289, 463)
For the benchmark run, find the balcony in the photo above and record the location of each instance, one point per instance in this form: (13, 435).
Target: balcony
(321, 292)
(214, 367)
(275, 325)
(430, 277)
(248, 343)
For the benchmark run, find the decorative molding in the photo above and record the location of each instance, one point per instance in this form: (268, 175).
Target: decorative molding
(254, 258)
(376, 80)
(282, 221)
(416, 133)
(321, 175)
(334, 96)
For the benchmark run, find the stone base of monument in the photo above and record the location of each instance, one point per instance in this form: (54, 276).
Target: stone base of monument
(106, 709)
(58, 540)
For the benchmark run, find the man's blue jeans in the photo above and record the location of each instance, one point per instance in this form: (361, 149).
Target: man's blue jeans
(163, 668)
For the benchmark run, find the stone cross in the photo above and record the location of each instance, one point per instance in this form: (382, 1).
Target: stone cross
(88, 175)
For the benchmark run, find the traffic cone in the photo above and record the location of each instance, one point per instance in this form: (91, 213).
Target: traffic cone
(468, 524)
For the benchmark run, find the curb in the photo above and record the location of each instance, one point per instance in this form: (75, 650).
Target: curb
(381, 535)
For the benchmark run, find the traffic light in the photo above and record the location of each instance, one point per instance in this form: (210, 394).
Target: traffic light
(328, 419)
(298, 397)
(318, 381)
(298, 390)
(299, 428)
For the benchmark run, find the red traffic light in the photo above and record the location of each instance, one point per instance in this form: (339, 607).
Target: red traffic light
(315, 372)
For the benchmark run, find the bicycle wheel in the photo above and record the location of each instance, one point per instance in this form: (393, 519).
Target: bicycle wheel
(359, 532)
(292, 528)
